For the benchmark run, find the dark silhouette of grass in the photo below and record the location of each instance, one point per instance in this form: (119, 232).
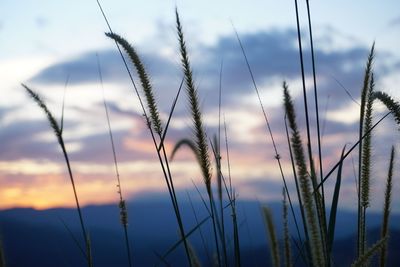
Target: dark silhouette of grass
(58, 133)
(318, 234)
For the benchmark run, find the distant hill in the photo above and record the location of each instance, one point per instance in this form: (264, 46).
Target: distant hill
(43, 238)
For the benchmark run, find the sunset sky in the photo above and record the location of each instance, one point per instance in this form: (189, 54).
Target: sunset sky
(42, 43)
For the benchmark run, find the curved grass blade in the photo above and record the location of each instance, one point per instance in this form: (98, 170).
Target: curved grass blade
(335, 201)
(170, 115)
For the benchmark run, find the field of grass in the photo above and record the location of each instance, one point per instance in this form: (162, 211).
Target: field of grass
(311, 244)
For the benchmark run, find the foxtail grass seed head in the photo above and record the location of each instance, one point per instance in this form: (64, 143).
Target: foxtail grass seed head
(304, 180)
(123, 213)
(198, 129)
(366, 149)
(392, 105)
(144, 79)
(273, 240)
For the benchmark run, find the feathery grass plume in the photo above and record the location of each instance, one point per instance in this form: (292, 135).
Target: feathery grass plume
(286, 235)
(366, 149)
(386, 209)
(185, 142)
(144, 80)
(198, 129)
(304, 180)
(58, 132)
(363, 259)
(364, 103)
(301, 206)
(123, 213)
(200, 135)
(392, 105)
(366, 162)
(160, 148)
(271, 232)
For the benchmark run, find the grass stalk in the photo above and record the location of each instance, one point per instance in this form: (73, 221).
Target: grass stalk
(333, 169)
(286, 235)
(217, 145)
(316, 101)
(121, 204)
(203, 241)
(322, 202)
(232, 200)
(58, 133)
(318, 200)
(277, 156)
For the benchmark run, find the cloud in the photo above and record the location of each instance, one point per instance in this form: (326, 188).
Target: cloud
(84, 69)
(395, 22)
(273, 56)
(18, 141)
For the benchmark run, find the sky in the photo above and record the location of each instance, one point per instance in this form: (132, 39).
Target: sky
(45, 43)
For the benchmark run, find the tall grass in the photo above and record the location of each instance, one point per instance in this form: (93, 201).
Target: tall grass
(58, 131)
(314, 242)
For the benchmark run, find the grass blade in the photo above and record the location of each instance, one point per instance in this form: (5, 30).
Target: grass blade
(170, 115)
(335, 201)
